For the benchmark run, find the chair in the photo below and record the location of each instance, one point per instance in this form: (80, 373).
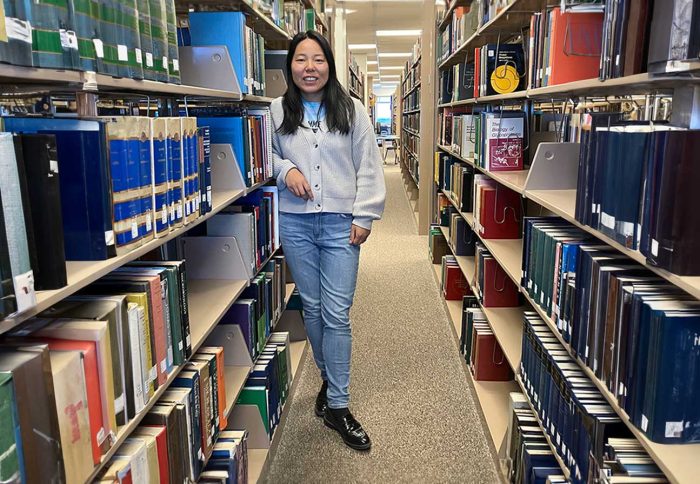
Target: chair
(390, 144)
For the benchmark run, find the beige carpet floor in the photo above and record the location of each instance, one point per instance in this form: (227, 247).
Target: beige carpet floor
(409, 388)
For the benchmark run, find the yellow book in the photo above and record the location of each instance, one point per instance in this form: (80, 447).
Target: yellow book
(72, 407)
(151, 456)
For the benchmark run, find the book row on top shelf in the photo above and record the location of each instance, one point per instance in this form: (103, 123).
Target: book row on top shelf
(604, 39)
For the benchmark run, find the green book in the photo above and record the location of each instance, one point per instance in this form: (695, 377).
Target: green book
(159, 39)
(256, 396)
(87, 24)
(11, 465)
(173, 57)
(143, 12)
(54, 42)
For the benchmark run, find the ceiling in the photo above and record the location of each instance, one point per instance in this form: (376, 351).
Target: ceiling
(365, 17)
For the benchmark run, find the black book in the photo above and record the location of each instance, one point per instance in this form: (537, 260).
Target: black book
(675, 34)
(675, 226)
(37, 162)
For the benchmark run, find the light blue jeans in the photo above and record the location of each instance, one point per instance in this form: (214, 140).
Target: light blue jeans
(324, 266)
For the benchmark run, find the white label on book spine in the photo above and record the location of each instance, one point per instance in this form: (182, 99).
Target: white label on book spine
(153, 374)
(149, 59)
(607, 220)
(176, 65)
(122, 53)
(101, 435)
(654, 247)
(165, 62)
(163, 366)
(139, 56)
(645, 423)
(620, 389)
(627, 229)
(18, 29)
(180, 346)
(24, 290)
(674, 429)
(149, 223)
(109, 237)
(53, 167)
(170, 353)
(179, 210)
(119, 403)
(134, 229)
(99, 48)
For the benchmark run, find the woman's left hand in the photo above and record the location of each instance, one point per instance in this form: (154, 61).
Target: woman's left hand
(358, 235)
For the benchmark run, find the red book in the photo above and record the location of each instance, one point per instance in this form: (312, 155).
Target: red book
(98, 434)
(456, 285)
(488, 361)
(575, 44)
(499, 212)
(161, 436)
(499, 290)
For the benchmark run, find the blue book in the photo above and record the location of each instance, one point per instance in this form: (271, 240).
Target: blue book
(159, 176)
(673, 377)
(86, 194)
(222, 28)
(228, 465)
(230, 130)
(175, 185)
(242, 313)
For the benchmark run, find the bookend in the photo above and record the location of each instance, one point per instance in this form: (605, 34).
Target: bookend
(554, 167)
(215, 258)
(209, 67)
(225, 170)
(245, 416)
(292, 321)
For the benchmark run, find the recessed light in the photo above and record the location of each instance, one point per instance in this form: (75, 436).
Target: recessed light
(391, 68)
(398, 33)
(362, 46)
(393, 54)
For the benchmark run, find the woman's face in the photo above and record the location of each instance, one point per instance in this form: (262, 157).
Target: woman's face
(310, 69)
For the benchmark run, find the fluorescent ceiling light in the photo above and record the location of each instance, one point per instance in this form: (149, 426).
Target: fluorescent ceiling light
(362, 46)
(398, 33)
(393, 76)
(373, 73)
(391, 68)
(393, 54)
(372, 63)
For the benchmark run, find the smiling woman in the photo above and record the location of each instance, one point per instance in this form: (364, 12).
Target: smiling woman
(331, 187)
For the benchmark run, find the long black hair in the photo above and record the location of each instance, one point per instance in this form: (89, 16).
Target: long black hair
(340, 110)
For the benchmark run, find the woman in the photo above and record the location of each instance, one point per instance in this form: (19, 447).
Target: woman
(331, 185)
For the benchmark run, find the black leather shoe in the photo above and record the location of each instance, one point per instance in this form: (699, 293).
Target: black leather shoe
(342, 421)
(322, 400)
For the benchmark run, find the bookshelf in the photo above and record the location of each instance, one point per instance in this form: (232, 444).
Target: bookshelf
(208, 299)
(678, 462)
(356, 83)
(409, 92)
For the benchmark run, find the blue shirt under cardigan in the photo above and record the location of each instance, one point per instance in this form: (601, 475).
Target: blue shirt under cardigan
(345, 171)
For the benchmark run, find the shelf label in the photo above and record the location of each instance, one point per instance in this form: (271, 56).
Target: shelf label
(99, 48)
(122, 53)
(17, 29)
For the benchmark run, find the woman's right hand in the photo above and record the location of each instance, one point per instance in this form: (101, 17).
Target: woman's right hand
(296, 183)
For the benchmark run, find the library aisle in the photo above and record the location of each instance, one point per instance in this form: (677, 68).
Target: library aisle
(409, 388)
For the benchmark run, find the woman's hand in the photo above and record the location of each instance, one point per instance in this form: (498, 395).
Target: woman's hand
(297, 184)
(358, 235)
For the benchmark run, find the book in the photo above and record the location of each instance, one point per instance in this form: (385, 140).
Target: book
(30, 367)
(15, 228)
(12, 462)
(674, 37)
(72, 406)
(170, 416)
(160, 435)
(504, 68)
(86, 195)
(37, 161)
